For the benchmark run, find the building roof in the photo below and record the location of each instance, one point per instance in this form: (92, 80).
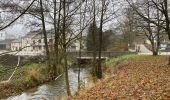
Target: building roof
(16, 41)
(31, 34)
(38, 34)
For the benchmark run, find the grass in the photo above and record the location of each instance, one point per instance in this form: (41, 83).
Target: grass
(27, 76)
(115, 61)
(111, 65)
(5, 72)
(30, 75)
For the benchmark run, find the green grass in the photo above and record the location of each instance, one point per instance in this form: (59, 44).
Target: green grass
(5, 72)
(25, 77)
(115, 61)
(30, 75)
(111, 65)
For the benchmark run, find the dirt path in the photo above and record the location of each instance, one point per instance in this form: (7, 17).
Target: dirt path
(146, 78)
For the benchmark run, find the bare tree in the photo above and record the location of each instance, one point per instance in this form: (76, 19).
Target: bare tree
(82, 24)
(44, 33)
(65, 48)
(99, 69)
(94, 38)
(162, 6)
(15, 19)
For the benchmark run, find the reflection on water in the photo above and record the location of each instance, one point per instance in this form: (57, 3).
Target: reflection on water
(54, 90)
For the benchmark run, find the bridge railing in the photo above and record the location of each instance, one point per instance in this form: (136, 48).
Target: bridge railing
(103, 54)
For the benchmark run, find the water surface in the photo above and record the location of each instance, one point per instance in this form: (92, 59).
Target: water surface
(54, 90)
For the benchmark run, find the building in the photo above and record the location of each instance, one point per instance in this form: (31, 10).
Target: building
(5, 44)
(6, 41)
(2, 36)
(33, 43)
(16, 45)
(74, 46)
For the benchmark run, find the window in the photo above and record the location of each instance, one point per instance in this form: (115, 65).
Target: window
(33, 48)
(50, 40)
(33, 41)
(39, 47)
(39, 41)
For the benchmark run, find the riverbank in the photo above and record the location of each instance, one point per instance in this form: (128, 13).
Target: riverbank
(25, 77)
(32, 72)
(55, 89)
(141, 77)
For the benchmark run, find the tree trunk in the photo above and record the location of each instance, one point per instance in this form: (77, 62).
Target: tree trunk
(158, 44)
(166, 14)
(154, 52)
(169, 40)
(84, 16)
(99, 71)
(94, 40)
(66, 71)
(158, 32)
(45, 33)
(79, 63)
(65, 49)
(55, 45)
(56, 29)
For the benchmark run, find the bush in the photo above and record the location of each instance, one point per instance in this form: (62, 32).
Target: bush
(30, 75)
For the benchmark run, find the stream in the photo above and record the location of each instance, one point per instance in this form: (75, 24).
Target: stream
(56, 89)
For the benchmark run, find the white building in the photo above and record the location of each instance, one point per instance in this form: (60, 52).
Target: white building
(5, 41)
(16, 45)
(74, 46)
(33, 44)
(5, 44)
(2, 36)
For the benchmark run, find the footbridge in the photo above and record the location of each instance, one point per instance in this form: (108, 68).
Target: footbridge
(104, 54)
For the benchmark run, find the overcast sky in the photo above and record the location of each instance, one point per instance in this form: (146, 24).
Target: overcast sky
(19, 29)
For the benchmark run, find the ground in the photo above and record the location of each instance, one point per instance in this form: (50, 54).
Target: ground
(143, 78)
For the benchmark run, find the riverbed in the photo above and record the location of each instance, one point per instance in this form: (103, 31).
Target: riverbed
(56, 89)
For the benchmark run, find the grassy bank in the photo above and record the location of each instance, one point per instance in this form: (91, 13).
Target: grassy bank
(135, 78)
(27, 76)
(111, 65)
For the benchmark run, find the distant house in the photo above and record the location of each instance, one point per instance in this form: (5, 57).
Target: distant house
(75, 45)
(33, 43)
(16, 45)
(6, 41)
(5, 44)
(2, 36)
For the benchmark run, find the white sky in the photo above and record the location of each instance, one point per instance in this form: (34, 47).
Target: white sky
(17, 30)
(20, 29)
